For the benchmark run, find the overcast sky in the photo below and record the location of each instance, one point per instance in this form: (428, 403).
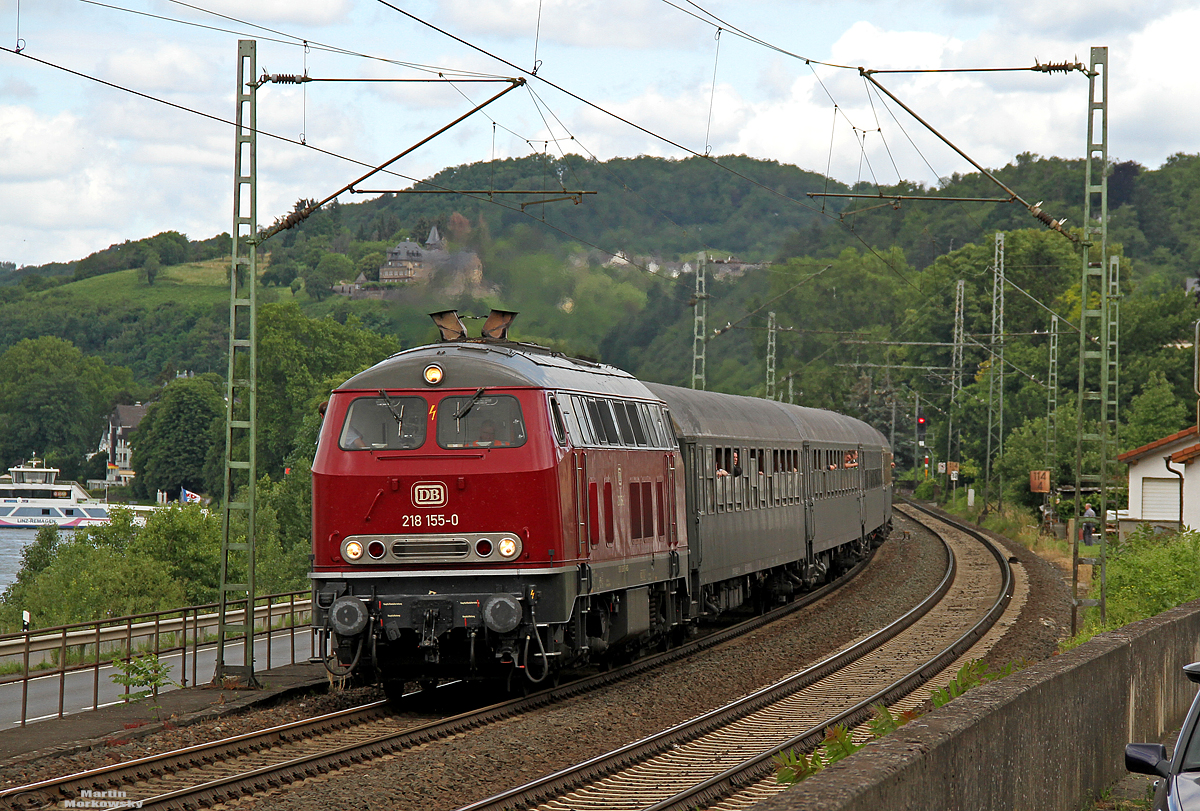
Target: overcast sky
(84, 165)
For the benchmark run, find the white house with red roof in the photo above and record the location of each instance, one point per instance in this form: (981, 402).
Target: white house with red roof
(1164, 488)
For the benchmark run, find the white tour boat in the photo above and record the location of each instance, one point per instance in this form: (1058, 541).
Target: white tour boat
(31, 496)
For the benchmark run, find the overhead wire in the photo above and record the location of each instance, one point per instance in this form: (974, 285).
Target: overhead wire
(712, 96)
(289, 39)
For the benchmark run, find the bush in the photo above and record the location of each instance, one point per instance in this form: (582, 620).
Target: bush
(1150, 573)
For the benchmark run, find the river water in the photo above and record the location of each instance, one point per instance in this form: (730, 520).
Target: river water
(12, 541)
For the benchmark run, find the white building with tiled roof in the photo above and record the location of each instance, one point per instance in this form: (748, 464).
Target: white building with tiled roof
(1164, 487)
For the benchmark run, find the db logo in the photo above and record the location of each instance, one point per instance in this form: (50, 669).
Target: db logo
(429, 494)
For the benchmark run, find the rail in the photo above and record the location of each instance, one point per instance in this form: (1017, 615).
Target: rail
(60, 650)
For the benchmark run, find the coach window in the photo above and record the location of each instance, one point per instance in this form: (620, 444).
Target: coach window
(480, 421)
(669, 430)
(593, 412)
(384, 423)
(623, 423)
(752, 471)
(579, 413)
(602, 419)
(560, 428)
(635, 422)
(652, 437)
(707, 471)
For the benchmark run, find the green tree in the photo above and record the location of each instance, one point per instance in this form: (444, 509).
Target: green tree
(150, 267)
(331, 269)
(53, 397)
(370, 264)
(298, 357)
(1153, 414)
(173, 441)
(35, 558)
(187, 539)
(89, 576)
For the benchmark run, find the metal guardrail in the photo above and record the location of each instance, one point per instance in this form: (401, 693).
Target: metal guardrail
(92, 645)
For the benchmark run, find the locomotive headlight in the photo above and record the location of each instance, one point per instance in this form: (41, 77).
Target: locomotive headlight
(433, 374)
(354, 550)
(507, 547)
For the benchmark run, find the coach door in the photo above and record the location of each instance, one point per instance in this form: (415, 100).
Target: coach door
(860, 479)
(809, 486)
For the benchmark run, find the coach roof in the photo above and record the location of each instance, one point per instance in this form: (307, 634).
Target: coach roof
(707, 414)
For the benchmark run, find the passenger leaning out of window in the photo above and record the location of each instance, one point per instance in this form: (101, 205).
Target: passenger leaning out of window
(737, 469)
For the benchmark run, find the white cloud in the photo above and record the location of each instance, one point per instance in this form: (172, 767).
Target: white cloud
(302, 12)
(34, 147)
(621, 24)
(169, 66)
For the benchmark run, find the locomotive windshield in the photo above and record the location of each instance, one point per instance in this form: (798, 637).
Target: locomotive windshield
(384, 423)
(492, 421)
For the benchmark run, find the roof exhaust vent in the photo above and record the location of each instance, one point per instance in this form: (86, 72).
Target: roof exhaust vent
(496, 326)
(450, 324)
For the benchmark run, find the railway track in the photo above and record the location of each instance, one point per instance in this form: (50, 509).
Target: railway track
(724, 758)
(219, 771)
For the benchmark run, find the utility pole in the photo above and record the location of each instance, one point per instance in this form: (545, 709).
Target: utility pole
(916, 436)
(892, 396)
(956, 362)
(770, 356)
(699, 324)
(1052, 397)
(1052, 417)
(995, 432)
(236, 591)
(1095, 428)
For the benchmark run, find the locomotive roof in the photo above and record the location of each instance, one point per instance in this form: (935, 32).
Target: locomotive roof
(708, 414)
(470, 364)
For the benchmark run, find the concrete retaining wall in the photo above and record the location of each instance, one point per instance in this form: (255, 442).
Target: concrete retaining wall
(1047, 738)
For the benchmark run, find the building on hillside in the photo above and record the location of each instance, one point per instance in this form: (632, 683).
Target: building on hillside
(114, 443)
(410, 262)
(1164, 488)
(404, 262)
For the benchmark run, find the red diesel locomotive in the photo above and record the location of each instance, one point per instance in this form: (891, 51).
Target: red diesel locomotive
(487, 509)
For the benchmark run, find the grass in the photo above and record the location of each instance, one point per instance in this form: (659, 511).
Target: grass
(1020, 525)
(203, 283)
